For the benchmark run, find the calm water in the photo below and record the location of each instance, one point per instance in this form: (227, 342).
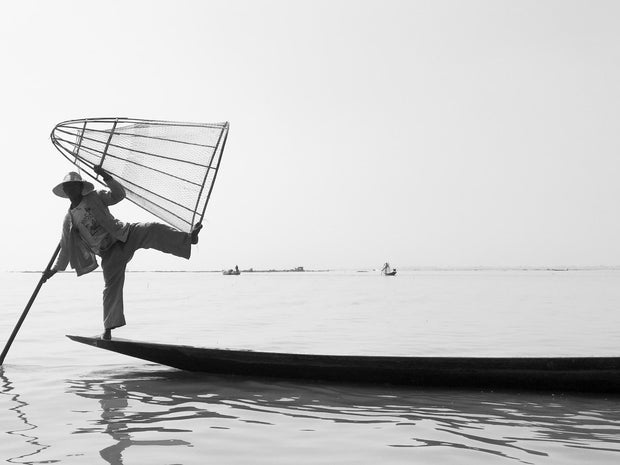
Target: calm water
(61, 402)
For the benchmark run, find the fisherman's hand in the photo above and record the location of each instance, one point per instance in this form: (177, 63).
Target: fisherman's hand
(101, 172)
(47, 274)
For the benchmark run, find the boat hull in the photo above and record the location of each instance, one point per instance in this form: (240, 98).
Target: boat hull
(559, 374)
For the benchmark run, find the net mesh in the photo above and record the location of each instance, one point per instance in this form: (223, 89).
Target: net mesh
(166, 167)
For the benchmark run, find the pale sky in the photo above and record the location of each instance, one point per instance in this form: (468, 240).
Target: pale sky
(426, 133)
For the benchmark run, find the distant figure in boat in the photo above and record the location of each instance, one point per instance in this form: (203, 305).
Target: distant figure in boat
(387, 270)
(89, 229)
(232, 272)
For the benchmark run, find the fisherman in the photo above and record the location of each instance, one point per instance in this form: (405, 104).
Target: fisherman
(89, 229)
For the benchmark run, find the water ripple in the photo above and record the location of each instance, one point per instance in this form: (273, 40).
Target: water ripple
(512, 426)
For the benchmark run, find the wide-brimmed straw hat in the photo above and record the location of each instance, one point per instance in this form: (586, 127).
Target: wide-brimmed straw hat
(72, 177)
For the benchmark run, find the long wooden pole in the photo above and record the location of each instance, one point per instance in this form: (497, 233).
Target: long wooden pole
(28, 305)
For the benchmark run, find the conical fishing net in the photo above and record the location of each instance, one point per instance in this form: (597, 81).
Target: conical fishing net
(166, 167)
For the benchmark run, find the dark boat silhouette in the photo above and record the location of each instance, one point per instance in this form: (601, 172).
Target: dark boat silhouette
(560, 374)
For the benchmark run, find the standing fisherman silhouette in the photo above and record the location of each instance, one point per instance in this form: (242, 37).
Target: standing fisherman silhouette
(90, 230)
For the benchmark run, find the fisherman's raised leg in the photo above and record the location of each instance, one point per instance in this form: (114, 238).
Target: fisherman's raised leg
(159, 237)
(114, 263)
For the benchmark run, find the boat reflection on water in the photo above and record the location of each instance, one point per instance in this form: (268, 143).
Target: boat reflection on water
(174, 408)
(115, 416)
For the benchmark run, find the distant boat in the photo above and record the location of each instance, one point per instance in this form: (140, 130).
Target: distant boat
(232, 272)
(387, 270)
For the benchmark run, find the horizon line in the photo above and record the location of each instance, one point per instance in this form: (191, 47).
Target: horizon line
(362, 269)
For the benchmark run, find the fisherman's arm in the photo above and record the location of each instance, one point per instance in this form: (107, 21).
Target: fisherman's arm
(63, 256)
(116, 192)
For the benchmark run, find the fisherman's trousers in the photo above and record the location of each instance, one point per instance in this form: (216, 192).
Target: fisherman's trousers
(115, 259)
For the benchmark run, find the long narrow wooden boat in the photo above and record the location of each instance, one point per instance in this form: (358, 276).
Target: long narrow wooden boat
(558, 374)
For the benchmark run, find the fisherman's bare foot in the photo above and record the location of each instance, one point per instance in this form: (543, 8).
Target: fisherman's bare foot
(195, 231)
(107, 335)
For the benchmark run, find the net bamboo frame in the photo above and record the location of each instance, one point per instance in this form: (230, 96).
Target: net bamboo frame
(166, 167)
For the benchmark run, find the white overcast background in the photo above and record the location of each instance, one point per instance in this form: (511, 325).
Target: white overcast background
(426, 133)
